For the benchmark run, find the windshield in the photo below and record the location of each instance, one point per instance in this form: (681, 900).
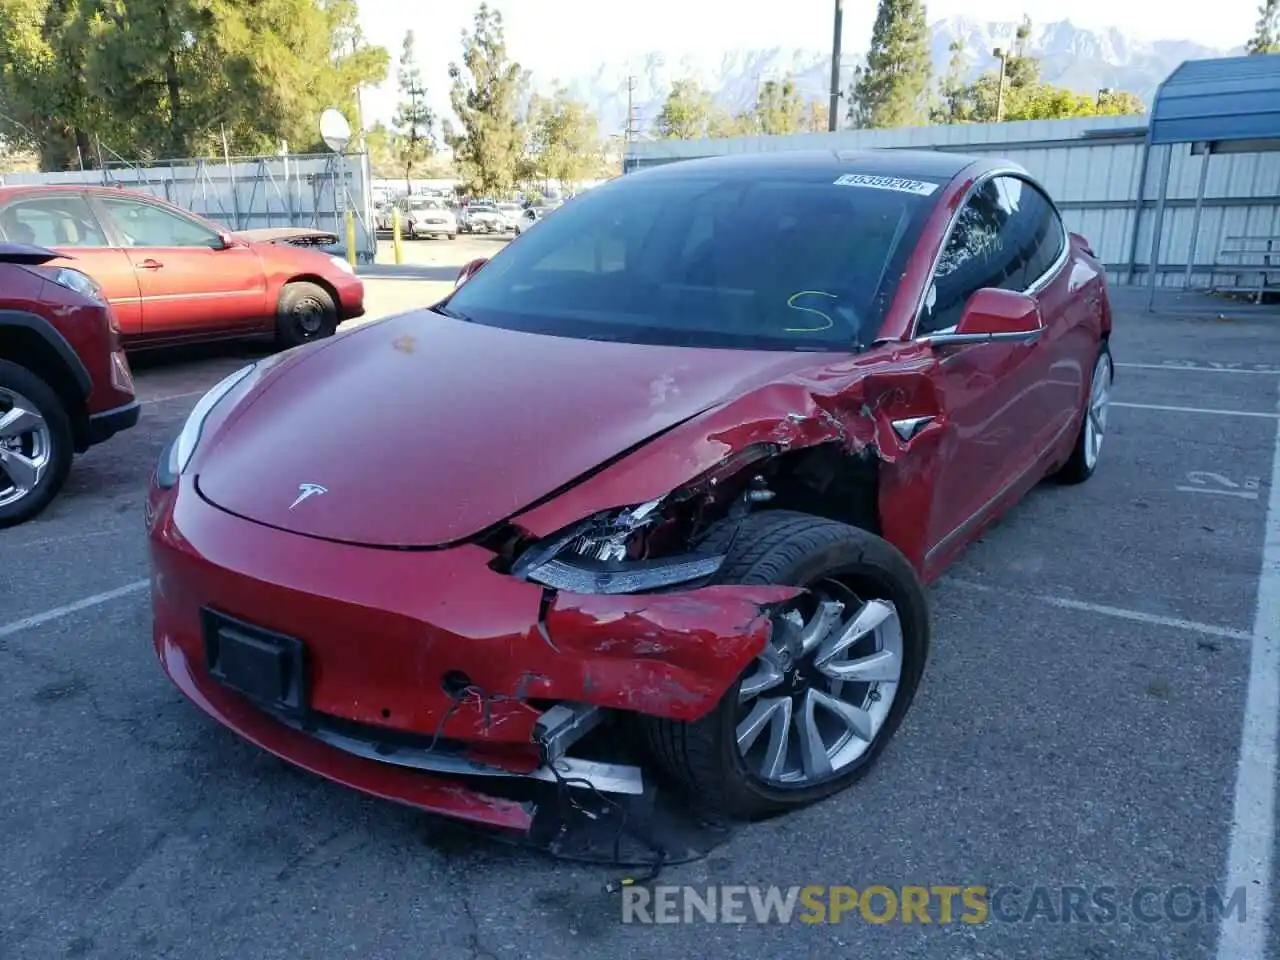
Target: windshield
(795, 263)
(481, 208)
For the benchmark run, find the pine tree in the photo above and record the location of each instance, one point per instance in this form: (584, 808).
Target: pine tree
(1266, 37)
(414, 121)
(487, 94)
(893, 89)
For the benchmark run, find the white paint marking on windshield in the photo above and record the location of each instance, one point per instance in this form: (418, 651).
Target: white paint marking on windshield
(921, 188)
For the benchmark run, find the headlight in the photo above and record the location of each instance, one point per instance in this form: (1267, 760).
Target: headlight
(178, 454)
(609, 552)
(596, 556)
(342, 264)
(81, 283)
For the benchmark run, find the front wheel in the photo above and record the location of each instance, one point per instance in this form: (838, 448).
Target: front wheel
(810, 715)
(36, 444)
(306, 312)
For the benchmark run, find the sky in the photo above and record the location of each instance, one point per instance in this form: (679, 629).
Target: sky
(569, 38)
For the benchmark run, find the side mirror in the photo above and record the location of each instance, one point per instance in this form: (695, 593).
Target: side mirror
(995, 315)
(469, 271)
(225, 241)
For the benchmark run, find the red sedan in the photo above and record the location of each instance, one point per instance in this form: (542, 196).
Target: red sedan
(676, 465)
(174, 277)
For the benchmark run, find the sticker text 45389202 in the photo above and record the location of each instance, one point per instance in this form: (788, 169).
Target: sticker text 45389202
(921, 188)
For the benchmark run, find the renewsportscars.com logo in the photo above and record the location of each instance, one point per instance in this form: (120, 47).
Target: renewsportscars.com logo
(938, 904)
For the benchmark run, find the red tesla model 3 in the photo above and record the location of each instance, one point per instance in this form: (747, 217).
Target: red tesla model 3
(656, 489)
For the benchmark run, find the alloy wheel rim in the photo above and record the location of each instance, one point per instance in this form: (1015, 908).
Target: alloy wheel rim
(822, 690)
(1095, 427)
(26, 447)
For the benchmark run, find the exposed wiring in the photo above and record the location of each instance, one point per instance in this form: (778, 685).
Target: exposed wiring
(828, 323)
(473, 693)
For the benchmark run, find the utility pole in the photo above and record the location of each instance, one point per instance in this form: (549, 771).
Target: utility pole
(631, 133)
(833, 111)
(1003, 57)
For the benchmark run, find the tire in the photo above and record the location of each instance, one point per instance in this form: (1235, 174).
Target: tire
(453, 236)
(781, 547)
(52, 443)
(306, 313)
(1083, 462)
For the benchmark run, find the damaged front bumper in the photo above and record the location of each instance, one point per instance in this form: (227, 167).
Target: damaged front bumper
(426, 677)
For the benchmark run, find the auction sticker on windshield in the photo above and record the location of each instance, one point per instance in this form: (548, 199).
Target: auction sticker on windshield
(920, 188)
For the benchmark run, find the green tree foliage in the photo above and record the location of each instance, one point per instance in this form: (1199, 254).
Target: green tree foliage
(816, 118)
(779, 108)
(953, 104)
(686, 114)
(380, 145)
(1266, 36)
(487, 93)
(893, 89)
(564, 138)
(170, 78)
(1026, 95)
(415, 121)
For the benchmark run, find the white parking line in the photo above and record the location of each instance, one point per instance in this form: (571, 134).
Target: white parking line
(1197, 368)
(1120, 613)
(1213, 413)
(1253, 818)
(36, 619)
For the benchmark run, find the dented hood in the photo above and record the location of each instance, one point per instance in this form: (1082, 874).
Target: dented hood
(424, 430)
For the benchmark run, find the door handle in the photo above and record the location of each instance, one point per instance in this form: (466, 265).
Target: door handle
(150, 264)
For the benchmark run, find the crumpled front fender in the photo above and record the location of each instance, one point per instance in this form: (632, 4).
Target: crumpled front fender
(668, 655)
(852, 404)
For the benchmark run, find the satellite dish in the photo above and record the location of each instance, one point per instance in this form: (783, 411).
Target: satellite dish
(334, 130)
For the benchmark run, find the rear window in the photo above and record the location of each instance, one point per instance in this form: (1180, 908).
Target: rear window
(729, 261)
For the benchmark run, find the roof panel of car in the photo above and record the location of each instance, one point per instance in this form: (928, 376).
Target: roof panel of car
(927, 164)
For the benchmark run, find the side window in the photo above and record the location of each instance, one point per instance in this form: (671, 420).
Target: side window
(146, 225)
(1035, 232)
(64, 220)
(976, 256)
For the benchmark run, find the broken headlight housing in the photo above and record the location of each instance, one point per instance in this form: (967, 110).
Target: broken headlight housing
(609, 552)
(598, 555)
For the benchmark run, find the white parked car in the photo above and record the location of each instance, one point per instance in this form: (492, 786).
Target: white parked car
(427, 217)
(483, 218)
(527, 219)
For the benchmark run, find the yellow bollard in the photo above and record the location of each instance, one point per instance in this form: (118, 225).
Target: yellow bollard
(395, 235)
(351, 238)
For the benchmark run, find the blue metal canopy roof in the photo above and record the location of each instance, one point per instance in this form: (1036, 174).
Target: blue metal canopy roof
(1230, 98)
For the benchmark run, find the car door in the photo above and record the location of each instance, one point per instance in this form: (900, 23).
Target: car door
(188, 281)
(994, 392)
(63, 220)
(1069, 341)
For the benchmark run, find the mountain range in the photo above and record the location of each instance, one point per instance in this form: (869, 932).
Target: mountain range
(1070, 56)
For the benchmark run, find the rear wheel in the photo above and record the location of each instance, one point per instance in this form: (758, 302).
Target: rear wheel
(306, 312)
(1093, 427)
(36, 444)
(812, 713)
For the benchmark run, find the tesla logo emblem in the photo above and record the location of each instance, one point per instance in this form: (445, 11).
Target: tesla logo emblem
(306, 491)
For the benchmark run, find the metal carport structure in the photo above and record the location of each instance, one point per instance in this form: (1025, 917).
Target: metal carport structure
(1225, 105)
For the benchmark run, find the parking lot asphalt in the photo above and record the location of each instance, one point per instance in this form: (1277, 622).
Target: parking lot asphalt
(1079, 724)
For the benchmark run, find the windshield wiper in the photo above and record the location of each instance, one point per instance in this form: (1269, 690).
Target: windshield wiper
(445, 311)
